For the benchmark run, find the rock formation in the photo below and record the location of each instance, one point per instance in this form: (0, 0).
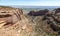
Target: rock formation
(13, 22)
(10, 14)
(53, 20)
(57, 10)
(38, 13)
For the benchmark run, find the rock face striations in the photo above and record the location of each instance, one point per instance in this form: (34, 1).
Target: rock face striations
(13, 22)
(10, 15)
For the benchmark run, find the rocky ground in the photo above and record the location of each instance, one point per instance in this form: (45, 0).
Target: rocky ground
(25, 26)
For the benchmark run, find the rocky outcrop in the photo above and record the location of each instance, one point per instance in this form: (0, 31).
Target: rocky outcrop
(53, 20)
(57, 10)
(14, 25)
(10, 14)
(38, 13)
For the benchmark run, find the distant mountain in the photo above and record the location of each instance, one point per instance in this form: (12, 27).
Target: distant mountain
(36, 6)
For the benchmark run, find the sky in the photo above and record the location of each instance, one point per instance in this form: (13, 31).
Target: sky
(31, 2)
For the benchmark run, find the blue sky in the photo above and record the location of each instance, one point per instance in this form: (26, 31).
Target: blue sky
(31, 2)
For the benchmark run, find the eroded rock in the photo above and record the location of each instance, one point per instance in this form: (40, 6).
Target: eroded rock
(10, 14)
(53, 20)
(38, 13)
